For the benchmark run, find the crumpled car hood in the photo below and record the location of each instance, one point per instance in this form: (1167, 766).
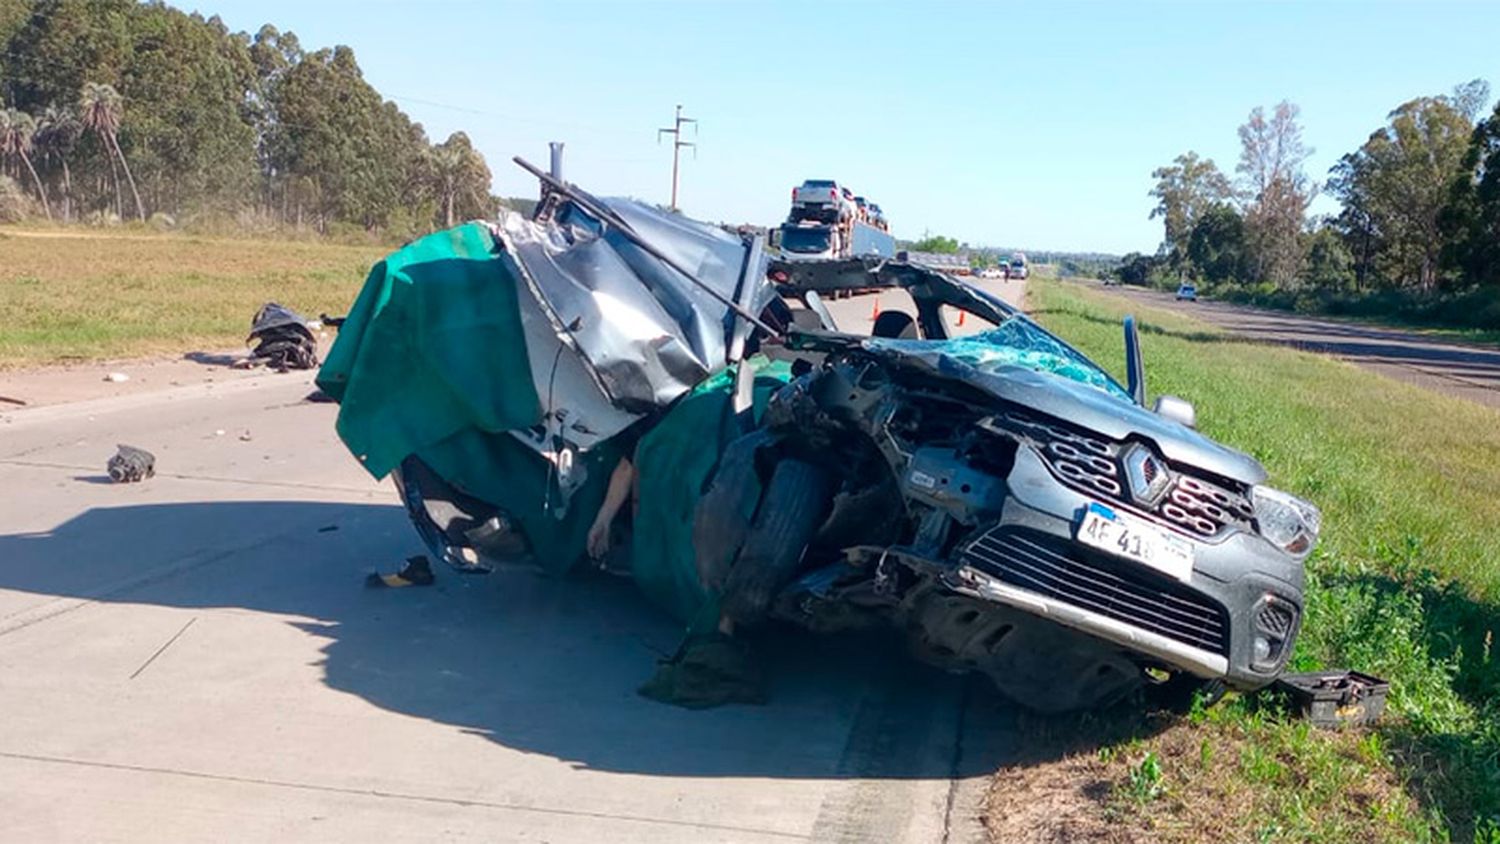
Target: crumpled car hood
(1078, 402)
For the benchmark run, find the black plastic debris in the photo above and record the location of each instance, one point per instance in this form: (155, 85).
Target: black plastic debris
(416, 572)
(283, 339)
(1337, 698)
(131, 464)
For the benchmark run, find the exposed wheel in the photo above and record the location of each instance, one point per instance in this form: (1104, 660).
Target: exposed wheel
(724, 513)
(793, 506)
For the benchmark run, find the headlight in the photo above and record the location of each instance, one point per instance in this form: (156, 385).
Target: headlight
(1286, 520)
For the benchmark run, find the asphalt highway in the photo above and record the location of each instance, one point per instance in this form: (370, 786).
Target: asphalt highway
(1467, 371)
(195, 657)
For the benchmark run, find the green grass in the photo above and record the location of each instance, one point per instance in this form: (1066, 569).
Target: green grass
(68, 295)
(1405, 584)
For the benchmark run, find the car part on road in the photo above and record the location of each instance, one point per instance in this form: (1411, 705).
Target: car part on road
(1336, 698)
(131, 465)
(283, 339)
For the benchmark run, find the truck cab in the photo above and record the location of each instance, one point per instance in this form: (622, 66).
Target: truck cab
(803, 242)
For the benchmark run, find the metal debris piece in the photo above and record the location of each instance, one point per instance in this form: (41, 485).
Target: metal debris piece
(131, 464)
(1337, 698)
(283, 339)
(117, 377)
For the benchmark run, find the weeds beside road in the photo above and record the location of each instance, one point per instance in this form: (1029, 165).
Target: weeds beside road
(68, 296)
(1404, 585)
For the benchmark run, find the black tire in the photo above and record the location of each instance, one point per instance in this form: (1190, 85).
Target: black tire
(791, 510)
(724, 513)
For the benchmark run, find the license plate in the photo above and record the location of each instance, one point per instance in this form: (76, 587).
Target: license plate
(1133, 539)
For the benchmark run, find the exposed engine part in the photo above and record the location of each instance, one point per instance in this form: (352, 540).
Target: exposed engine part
(131, 465)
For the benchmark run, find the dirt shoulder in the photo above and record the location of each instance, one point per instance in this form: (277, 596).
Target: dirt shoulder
(21, 389)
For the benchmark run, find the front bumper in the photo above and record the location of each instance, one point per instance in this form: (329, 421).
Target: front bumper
(1207, 626)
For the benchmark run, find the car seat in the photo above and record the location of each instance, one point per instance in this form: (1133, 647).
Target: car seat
(895, 325)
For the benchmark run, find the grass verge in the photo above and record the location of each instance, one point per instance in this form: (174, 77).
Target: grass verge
(67, 296)
(1405, 584)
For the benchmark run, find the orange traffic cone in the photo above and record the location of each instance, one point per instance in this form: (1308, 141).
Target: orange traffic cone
(875, 312)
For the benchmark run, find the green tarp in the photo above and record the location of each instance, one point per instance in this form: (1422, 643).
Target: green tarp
(431, 361)
(432, 347)
(676, 460)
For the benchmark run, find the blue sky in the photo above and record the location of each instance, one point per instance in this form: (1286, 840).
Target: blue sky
(1020, 125)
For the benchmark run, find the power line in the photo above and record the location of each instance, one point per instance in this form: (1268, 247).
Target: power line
(677, 144)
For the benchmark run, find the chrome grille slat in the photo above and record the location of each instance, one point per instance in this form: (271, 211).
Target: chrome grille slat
(1119, 605)
(1056, 568)
(1199, 633)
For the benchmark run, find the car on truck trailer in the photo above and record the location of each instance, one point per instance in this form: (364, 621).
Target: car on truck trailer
(823, 200)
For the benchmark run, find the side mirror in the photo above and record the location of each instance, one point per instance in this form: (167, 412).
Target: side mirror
(1135, 369)
(1178, 410)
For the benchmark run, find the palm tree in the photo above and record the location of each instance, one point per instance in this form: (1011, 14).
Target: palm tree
(16, 130)
(57, 132)
(100, 109)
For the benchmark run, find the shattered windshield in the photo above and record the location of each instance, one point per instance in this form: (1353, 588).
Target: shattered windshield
(1016, 342)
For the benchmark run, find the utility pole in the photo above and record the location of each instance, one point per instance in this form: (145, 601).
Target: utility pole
(677, 144)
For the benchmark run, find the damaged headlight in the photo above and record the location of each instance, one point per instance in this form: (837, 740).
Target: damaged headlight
(1286, 520)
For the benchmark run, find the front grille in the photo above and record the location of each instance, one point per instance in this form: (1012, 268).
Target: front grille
(1091, 464)
(1060, 569)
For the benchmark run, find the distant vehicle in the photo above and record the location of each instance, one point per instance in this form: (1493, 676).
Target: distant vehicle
(992, 272)
(1188, 292)
(822, 200)
(1018, 267)
(877, 217)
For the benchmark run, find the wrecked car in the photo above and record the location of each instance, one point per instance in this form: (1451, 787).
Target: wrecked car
(997, 497)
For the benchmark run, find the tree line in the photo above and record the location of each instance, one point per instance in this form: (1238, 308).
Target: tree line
(1419, 219)
(120, 110)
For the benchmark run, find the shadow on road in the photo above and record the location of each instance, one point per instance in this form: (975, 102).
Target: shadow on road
(539, 665)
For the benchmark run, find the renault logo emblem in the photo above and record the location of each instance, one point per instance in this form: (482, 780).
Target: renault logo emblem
(1146, 474)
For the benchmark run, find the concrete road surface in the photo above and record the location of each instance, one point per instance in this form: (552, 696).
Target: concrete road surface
(1467, 371)
(194, 658)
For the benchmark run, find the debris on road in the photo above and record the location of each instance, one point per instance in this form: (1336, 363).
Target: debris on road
(285, 341)
(245, 437)
(708, 671)
(416, 572)
(1337, 698)
(117, 378)
(15, 401)
(131, 464)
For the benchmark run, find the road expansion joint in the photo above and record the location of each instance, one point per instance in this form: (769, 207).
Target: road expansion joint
(383, 794)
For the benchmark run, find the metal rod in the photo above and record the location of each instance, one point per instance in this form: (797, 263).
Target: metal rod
(588, 204)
